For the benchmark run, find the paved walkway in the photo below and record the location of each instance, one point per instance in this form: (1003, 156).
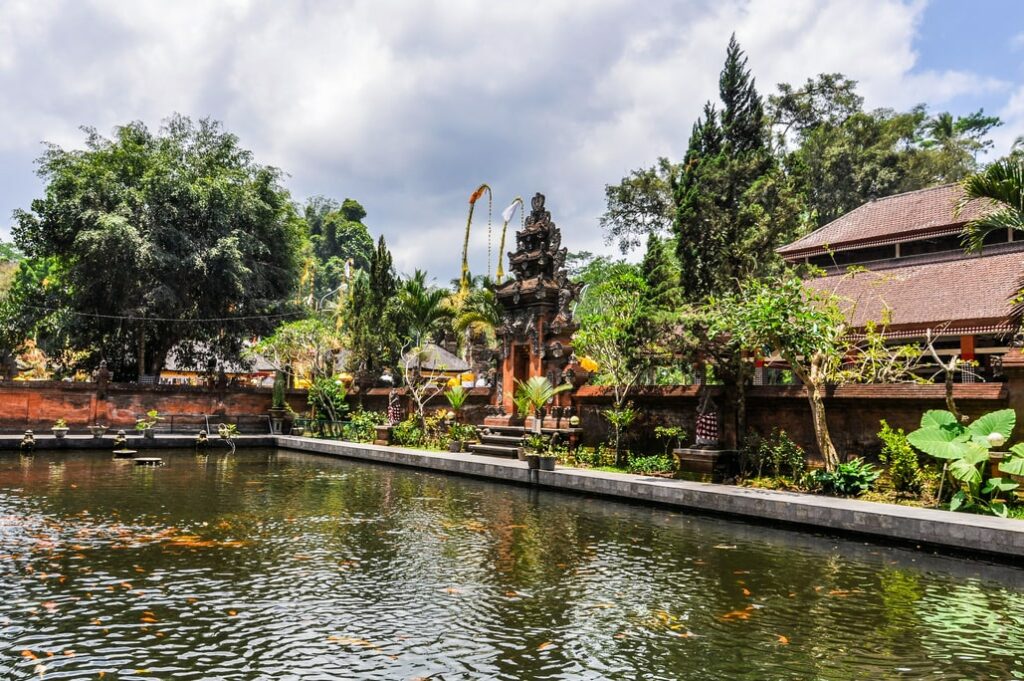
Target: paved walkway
(997, 537)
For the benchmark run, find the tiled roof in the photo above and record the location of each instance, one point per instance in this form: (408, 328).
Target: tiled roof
(435, 358)
(970, 292)
(893, 218)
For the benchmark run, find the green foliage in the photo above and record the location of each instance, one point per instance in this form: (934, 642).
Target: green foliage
(327, 398)
(1001, 184)
(408, 433)
(361, 426)
(181, 224)
(776, 455)
(536, 443)
(904, 469)
(309, 343)
(647, 465)
(640, 206)
(734, 206)
(456, 396)
(60, 423)
(422, 308)
(672, 436)
(536, 392)
(849, 479)
(149, 421)
(370, 323)
(278, 395)
(462, 431)
(964, 450)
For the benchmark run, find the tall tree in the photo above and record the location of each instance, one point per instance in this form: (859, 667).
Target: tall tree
(733, 204)
(371, 315)
(339, 239)
(640, 205)
(161, 238)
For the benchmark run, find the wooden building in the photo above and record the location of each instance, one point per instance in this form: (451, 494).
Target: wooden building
(918, 275)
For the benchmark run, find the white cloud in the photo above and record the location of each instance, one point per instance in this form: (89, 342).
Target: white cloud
(408, 106)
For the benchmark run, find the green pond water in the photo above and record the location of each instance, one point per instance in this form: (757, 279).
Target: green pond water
(278, 565)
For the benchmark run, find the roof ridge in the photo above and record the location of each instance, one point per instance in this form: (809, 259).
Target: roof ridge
(911, 191)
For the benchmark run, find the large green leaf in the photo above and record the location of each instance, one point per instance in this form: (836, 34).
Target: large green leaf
(940, 442)
(957, 501)
(937, 418)
(1013, 465)
(998, 485)
(965, 471)
(1001, 422)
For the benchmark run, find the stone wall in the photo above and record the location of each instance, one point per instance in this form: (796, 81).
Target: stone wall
(853, 411)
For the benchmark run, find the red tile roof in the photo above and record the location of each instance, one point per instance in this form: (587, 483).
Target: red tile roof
(972, 292)
(893, 218)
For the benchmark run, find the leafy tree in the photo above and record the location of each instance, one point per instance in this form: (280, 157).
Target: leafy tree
(339, 239)
(803, 326)
(161, 238)
(372, 313)
(611, 317)
(640, 205)
(305, 345)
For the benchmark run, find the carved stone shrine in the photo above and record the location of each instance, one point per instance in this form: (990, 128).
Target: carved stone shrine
(536, 327)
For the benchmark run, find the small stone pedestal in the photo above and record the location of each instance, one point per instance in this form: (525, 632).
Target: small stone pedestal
(707, 465)
(382, 435)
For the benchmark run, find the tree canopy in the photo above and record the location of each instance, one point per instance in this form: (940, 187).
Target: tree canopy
(151, 239)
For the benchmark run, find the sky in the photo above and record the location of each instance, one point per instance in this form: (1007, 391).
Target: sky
(408, 107)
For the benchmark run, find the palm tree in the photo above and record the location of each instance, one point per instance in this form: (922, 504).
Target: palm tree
(475, 314)
(1002, 185)
(422, 307)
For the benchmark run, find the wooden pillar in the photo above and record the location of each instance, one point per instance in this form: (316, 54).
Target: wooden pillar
(967, 348)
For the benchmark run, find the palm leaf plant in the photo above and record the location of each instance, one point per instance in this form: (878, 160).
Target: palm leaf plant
(535, 393)
(1002, 185)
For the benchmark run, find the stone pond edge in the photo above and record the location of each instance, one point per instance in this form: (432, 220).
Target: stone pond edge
(955, 532)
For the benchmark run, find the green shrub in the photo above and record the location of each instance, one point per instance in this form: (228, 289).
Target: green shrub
(646, 465)
(326, 397)
(362, 425)
(849, 479)
(904, 469)
(776, 455)
(408, 433)
(672, 436)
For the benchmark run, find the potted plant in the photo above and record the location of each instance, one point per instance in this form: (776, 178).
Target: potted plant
(456, 396)
(60, 429)
(537, 391)
(458, 435)
(535, 445)
(97, 430)
(146, 424)
(278, 405)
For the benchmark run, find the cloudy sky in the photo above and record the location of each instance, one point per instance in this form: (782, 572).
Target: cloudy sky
(408, 106)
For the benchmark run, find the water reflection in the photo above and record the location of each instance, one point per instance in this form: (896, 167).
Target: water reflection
(273, 566)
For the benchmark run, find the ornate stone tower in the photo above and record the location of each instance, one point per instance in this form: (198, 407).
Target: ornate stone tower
(536, 324)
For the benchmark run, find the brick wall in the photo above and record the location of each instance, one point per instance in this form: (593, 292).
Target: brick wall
(37, 405)
(853, 411)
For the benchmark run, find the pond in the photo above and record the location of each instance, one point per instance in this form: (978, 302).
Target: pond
(278, 565)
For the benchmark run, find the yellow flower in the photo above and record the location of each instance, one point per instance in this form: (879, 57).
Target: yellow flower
(588, 364)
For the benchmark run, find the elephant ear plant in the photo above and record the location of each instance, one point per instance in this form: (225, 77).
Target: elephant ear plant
(964, 449)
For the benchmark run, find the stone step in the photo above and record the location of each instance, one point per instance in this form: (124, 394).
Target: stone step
(508, 440)
(494, 450)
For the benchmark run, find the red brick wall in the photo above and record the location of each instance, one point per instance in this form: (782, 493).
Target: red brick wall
(37, 405)
(853, 411)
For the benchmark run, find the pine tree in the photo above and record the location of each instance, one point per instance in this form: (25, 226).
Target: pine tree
(733, 206)
(370, 323)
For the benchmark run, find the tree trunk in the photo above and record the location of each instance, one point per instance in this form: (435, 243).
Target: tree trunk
(142, 352)
(814, 384)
